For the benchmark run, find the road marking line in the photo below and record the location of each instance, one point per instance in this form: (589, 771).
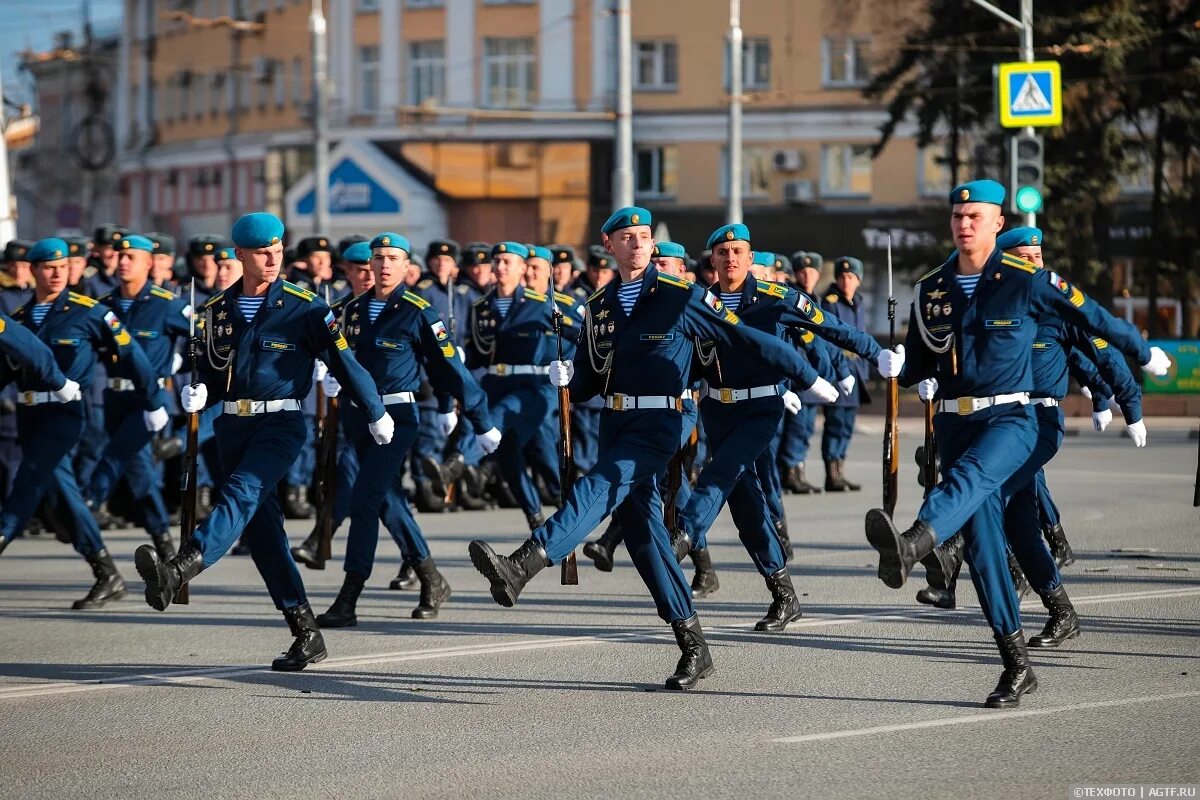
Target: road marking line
(998, 715)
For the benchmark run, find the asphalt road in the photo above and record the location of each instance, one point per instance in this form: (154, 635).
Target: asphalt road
(870, 695)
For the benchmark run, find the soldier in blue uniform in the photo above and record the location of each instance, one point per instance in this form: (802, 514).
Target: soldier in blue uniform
(262, 339)
(162, 270)
(972, 327)
(475, 269)
(637, 351)
(157, 320)
(16, 287)
(393, 332)
(78, 330)
(843, 301)
(100, 277)
(78, 248)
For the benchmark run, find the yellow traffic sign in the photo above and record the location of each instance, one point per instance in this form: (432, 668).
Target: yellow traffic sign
(1030, 94)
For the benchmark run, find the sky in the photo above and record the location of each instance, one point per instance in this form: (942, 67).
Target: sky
(32, 24)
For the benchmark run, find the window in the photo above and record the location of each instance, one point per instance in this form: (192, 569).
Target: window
(183, 93)
(368, 78)
(757, 163)
(656, 171)
(424, 3)
(277, 83)
(846, 170)
(933, 173)
(426, 71)
(509, 73)
(844, 61)
(756, 64)
(262, 86)
(216, 91)
(656, 66)
(297, 81)
(366, 6)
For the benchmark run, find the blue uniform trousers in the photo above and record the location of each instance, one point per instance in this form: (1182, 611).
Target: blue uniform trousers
(207, 466)
(430, 441)
(635, 447)
(48, 434)
(256, 453)
(127, 455)
(767, 467)
(374, 496)
(542, 454)
(300, 473)
(91, 444)
(585, 435)
(797, 432)
(738, 434)
(520, 405)
(1022, 523)
(1047, 509)
(839, 428)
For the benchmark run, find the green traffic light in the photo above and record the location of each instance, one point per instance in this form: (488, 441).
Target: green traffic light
(1028, 200)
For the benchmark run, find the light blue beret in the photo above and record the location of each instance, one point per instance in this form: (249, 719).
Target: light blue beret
(1020, 237)
(258, 229)
(132, 241)
(47, 250)
(357, 253)
(389, 239)
(984, 191)
(670, 250)
(516, 248)
(626, 217)
(728, 233)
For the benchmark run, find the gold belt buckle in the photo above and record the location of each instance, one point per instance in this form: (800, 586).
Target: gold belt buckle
(618, 402)
(245, 408)
(726, 395)
(966, 405)
(28, 398)
(501, 369)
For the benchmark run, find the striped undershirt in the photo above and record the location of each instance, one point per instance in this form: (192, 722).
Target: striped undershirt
(731, 300)
(249, 306)
(375, 308)
(503, 305)
(124, 304)
(968, 283)
(40, 310)
(627, 294)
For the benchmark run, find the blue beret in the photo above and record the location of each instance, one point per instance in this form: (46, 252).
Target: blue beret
(764, 258)
(226, 252)
(626, 217)
(516, 248)
(258, 229)
(985, 191)
(132, 241)
(848, 264)
(1019, 237)
(389, 239)
(537, 251)
(728, 233)
(357, 253)
(670, 250)
(47, 250)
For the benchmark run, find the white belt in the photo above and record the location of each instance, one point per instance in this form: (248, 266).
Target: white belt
(517, 369)
(393, 399)
(251, 408)
(969, 405)
(629, 402)
(38, 398)
(126, 385)
(1048, 402)
(739, 395)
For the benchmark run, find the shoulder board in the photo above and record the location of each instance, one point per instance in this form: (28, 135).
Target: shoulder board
(480, 301)
(532, 295)
(83, 300)
(104, 298)
(425, 284)
(929, 274)
(1017, 262)
(90, 271)
(303, 294)
(595, 294)
(214, 298)
(462, 289)
(807, 336)
(158, 291)
(831, 298)
(416, 300)
(671, 280)
(565, 299)
(7, 282)
(772, 289)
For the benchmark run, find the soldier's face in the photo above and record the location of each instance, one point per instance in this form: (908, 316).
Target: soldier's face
(974, 226)
(442, 268)
(808, 278)
(108, 256)
(50, 277)
(163, 268)
(229, 272)
(537, 275)
(204, 267)
(1031, 253)
(320, 265)
(361, 278)
(481, 273)
(632, 247)
(22, 272)
(77, 264)
(510, 271)
(670, 265)
(848, 284)
(732, 261)
(260, 264)
(562, 274)
(391, 267)
(133, 266)
(599, 277)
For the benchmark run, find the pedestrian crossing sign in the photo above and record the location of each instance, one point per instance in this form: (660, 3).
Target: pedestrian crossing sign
(1030, 94)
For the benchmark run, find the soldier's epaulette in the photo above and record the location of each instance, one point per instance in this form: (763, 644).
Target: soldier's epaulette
(104, 298)
(303, 294)
(929, 274)
(158, 291)
(1016, 262)
(416, 300)
(671, 280)
(596, 294)
(215, 298)
(530, 294)
(81, 299)
(565, 299)
(480, 301)
(6, 281)
(462, 289)
(831, 298)
(772, 289)
(89, 271)
(425, 284)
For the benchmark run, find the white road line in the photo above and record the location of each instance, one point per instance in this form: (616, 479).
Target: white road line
(209, 673)
(997, 715)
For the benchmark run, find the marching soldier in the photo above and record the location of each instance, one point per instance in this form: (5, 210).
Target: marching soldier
(475, 269)
(843, 301)
(564, 266)
(100, 277)
(162, 271)
(262, 339)
(16, 287)
(202, 264)
(78, 248)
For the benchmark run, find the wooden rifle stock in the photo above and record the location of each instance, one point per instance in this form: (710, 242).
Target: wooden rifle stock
(566, 457)
(891, 430)
(188, 510)
(929, 466)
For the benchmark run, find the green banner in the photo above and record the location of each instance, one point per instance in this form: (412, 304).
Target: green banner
(1184, 377)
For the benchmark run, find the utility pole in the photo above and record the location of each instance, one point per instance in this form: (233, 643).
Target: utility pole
(8, 224)
(623, 157)
(733, 211)
(320, 119)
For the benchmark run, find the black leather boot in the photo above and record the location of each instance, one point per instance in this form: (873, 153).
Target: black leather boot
(1060, 548)
(603, 549)
(163, 578)
(1020, 582)
(797, 481)
(108, 585)
(534, 520)
(508, 574)
(427, 500)
(938, 598)
(1063, 623)
(307, 552)
(696, 662)
(841, 469)
(1017, 678)
(786, 607)
(434, 590)
(897, 552)
(164, 546)
(470, 489)
(704, 582)
(309, 645)
(344, 611)
(833, 477)
(295, 503)
(405, 579)
(681, 543)
(785, 541)
(941, 570)
(432, 470)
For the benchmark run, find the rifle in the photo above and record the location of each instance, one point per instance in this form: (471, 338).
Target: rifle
(188, 510)
(325, 474)
(566, 459)
(891, 432)
(929, 465)
(1196, 495)
(679, 469)
(456, 434)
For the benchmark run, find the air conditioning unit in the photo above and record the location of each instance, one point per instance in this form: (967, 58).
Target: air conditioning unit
(798, 192)
(790, 160)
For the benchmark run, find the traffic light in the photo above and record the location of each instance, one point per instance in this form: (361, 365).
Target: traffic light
(1027, 176)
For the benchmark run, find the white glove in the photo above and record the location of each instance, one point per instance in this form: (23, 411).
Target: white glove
(846, 384)
(561, 373)
(319, 371)
(194, 398)
(1101, 419)
(330, 386)
(824, 390)
(1086, 392)
(67, 392)
(462, 355)
(382, 429)
(155, 420)
(488, 441)
(1159, 362)
(1137, 432)
(446, 422)
(791, 401)
(890, 362)
(176, 362)
(927, 388)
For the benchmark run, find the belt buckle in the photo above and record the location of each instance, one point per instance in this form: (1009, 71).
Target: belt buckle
(502, 369)
(28, 398)
(966, 405)
(245, 408)
(618, 402)
(726, 395)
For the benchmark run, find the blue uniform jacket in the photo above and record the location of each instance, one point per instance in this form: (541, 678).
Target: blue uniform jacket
(438, 296)
(982, 346)
(524, 336)
(272, 356)
(1054, 352)
(650, 351)
(24, 351)
(853, 313)
(157, 319)
(409, 334)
